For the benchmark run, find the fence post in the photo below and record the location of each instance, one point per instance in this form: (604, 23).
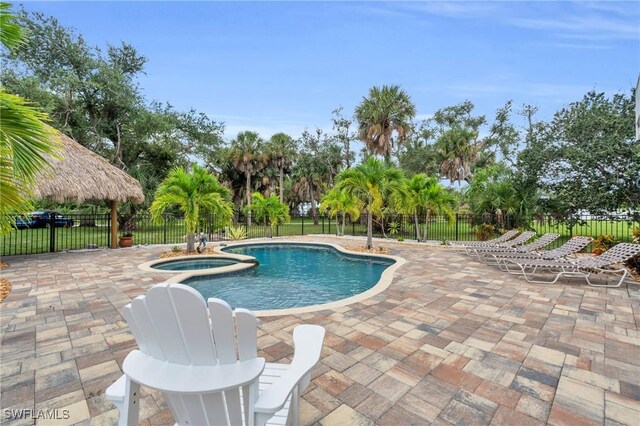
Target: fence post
(302, 232)
(108, 229)
(52, 232)
(164, 222)
(323, 224)
(456, 226)
(353, 227)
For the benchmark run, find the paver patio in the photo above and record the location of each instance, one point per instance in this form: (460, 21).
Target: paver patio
(451, 341)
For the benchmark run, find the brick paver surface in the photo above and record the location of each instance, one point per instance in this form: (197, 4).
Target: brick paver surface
(451, 341)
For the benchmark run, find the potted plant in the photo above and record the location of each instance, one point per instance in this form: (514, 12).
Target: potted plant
(126, 239)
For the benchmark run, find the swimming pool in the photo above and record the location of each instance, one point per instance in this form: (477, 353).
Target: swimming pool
(292, 275)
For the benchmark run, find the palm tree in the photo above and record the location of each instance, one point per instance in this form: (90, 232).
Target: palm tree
(340, 202)
(426, 196)
(369, 182)
(269, 210)
(458, 151)
(282, 150)
(25, 139)
(195, 193)
(387, 110)
(309, 174)
(494, 190)
(247, 155)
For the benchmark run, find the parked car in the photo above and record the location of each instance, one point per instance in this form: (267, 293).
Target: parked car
(42, 219)
(23, 222)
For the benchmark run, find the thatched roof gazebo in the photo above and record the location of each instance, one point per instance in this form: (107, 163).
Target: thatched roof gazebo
(78, 174)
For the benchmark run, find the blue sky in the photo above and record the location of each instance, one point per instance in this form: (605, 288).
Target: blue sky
(284, 66)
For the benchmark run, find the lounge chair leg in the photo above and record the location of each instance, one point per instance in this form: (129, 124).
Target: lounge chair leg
(624, 275)
(530, 276)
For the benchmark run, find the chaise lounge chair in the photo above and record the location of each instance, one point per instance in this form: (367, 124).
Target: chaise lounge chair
(517, 241)
(459, 246)
(582, 268)
(495, 252)
(564, 252)
(203, 358)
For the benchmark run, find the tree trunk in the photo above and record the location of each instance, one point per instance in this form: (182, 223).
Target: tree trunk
(369, 230)
(343, 222)
(248, 199)
(314, 210)
(191, 242)
(281, 184)
(426, 227)
(417, 222)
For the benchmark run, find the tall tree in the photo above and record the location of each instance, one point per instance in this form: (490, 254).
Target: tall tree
(458, 150)
(418, 153)
(461, 150)
(282, 150)
(369, 182)
(248, 155)
(495, 191)
(595, 161)
(92, 95)
(317, 165)
(344, 136)
(386, 112)
(194, 193)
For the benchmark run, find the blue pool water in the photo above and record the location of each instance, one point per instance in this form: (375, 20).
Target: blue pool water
(292, 275)
(191, 264)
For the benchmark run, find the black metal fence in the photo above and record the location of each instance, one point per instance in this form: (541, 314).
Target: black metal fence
(83, 231)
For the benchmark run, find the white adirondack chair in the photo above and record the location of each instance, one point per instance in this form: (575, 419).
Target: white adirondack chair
(204, 361)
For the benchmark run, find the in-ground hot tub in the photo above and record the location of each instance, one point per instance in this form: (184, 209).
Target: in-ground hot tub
(193, 264)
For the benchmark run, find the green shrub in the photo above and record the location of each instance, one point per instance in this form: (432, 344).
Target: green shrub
(401, 239)
(603, 243)
(237, 233)
(176, 249)
(485, 232)
(634, 263)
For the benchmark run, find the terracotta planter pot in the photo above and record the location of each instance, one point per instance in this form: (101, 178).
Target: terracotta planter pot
(125, 242)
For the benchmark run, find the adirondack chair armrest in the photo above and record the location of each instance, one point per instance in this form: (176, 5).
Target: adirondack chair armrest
(190, 379)
(307, 340)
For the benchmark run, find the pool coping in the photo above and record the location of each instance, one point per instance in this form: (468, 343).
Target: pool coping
(383, 283)
(244, 262)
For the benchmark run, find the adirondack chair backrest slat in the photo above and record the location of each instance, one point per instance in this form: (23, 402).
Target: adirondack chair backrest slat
(223, 333)
(247, 327)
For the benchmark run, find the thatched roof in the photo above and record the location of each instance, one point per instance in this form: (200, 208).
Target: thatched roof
(80, 174)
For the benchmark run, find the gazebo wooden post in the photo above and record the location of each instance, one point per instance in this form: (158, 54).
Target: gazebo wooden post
(114, 224)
